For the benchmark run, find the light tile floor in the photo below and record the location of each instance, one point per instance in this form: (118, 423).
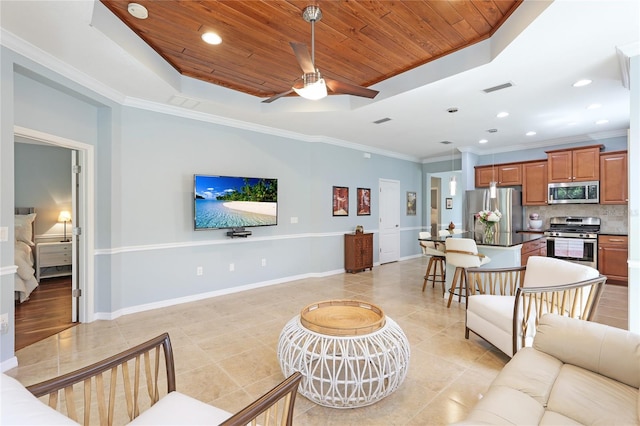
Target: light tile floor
(225, 347)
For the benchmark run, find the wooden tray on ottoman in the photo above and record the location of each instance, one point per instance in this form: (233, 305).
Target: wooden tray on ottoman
(342, 317)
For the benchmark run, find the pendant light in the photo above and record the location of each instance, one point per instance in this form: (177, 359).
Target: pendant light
(493, 185)
(452, 181)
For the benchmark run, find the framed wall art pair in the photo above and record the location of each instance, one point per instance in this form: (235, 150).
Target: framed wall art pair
(340, 205)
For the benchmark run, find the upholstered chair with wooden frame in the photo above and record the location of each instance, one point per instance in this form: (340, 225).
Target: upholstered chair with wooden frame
(126, 389)
(504, 305)
(436, 268)
(462, 253)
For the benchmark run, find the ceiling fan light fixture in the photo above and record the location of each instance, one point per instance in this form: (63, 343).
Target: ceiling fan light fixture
(314, 87)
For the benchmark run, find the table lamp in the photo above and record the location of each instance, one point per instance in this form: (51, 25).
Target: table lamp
(65, 217)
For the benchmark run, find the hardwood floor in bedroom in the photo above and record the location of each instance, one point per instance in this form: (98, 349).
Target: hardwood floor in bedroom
(47, 312)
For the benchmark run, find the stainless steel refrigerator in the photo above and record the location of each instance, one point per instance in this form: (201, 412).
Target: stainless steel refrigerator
(508, 201)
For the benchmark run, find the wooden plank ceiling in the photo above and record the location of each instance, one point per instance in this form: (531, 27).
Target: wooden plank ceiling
(361, 42)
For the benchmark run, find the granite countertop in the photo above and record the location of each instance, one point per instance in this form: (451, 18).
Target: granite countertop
(503, 239)
(615, 234)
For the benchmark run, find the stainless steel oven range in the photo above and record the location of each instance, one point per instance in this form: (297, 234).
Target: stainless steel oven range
(574, 238)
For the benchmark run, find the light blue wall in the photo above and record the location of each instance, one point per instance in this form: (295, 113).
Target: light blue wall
(146, 249)
(43, 180)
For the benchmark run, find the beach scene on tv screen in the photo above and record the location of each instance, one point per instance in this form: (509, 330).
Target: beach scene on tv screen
(232, 202)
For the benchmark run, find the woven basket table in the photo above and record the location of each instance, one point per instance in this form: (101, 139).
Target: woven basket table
(349, 353)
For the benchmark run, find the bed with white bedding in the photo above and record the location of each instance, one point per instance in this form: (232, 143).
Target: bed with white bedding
(25, 280)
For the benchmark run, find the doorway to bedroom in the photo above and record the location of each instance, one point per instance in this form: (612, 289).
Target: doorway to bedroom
(62, 232)
(44, 185)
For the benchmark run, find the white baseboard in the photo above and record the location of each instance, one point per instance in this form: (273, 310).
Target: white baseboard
(8, 364)
(208, 295)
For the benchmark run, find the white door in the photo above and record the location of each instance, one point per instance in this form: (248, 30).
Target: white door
(389, 211)
(75, 236)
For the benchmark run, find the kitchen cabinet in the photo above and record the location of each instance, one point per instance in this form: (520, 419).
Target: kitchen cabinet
(613, 178)
(613, 251)
(533, 248)
(358, 252)
(534, 183)
(504, 174)
(574, 165)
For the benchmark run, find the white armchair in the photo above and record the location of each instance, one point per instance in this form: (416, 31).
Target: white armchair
(504, 305)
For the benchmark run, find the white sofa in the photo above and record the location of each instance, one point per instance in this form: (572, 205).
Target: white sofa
(577, 372)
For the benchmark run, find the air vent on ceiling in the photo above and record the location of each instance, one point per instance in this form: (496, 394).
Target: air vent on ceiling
(183, 102)
(498, 87)
(382, 120)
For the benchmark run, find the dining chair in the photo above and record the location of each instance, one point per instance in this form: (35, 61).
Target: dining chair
(462, 253)
(436, 268)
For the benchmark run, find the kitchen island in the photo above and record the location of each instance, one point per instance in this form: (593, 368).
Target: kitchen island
(504, 250)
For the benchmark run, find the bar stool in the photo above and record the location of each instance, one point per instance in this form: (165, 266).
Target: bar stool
(436, 261)
(462, 253)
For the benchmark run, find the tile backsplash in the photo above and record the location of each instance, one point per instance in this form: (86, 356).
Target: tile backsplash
(614, 218)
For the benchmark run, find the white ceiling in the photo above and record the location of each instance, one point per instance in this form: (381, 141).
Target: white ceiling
(542, 49)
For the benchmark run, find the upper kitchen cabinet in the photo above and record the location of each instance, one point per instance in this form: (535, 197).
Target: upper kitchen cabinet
(574, 165)
(613, 178)
(534, 183)
(504, 175)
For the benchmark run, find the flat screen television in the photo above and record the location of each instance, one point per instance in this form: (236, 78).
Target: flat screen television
(234, 202)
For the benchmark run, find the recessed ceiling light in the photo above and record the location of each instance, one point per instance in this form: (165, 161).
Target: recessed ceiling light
(483, 141)
(602, 121)
(211, 38)
(583, 82)
(594, 106)
(138, 11)
(572, 123)
(502, 114)
(530, 133)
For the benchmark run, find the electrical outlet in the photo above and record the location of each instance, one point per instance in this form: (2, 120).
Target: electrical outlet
(4, 233)
(199, 271)
(264, 262)
(4, 323)
(294, 219)
(232, 267)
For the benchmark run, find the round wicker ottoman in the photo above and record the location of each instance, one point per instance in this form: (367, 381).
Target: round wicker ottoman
(349, 353)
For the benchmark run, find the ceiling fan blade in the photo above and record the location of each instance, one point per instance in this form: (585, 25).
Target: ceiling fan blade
(343, 87)
(278, 96)
(303, 57)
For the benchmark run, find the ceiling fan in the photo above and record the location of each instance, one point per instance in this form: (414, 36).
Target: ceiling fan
(312, 85)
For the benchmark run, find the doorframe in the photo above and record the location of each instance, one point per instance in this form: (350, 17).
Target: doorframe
(86, 271)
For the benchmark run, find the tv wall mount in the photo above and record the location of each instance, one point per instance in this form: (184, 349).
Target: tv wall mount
(238, 233)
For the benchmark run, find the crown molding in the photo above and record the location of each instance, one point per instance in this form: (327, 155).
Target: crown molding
(37, 55)
(590, 137)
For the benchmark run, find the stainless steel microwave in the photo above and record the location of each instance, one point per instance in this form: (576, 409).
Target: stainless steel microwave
(574, 193)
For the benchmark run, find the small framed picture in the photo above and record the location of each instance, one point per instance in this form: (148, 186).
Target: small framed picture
(340, 201)
(411, 203)
(364, 201)
(449, 203)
